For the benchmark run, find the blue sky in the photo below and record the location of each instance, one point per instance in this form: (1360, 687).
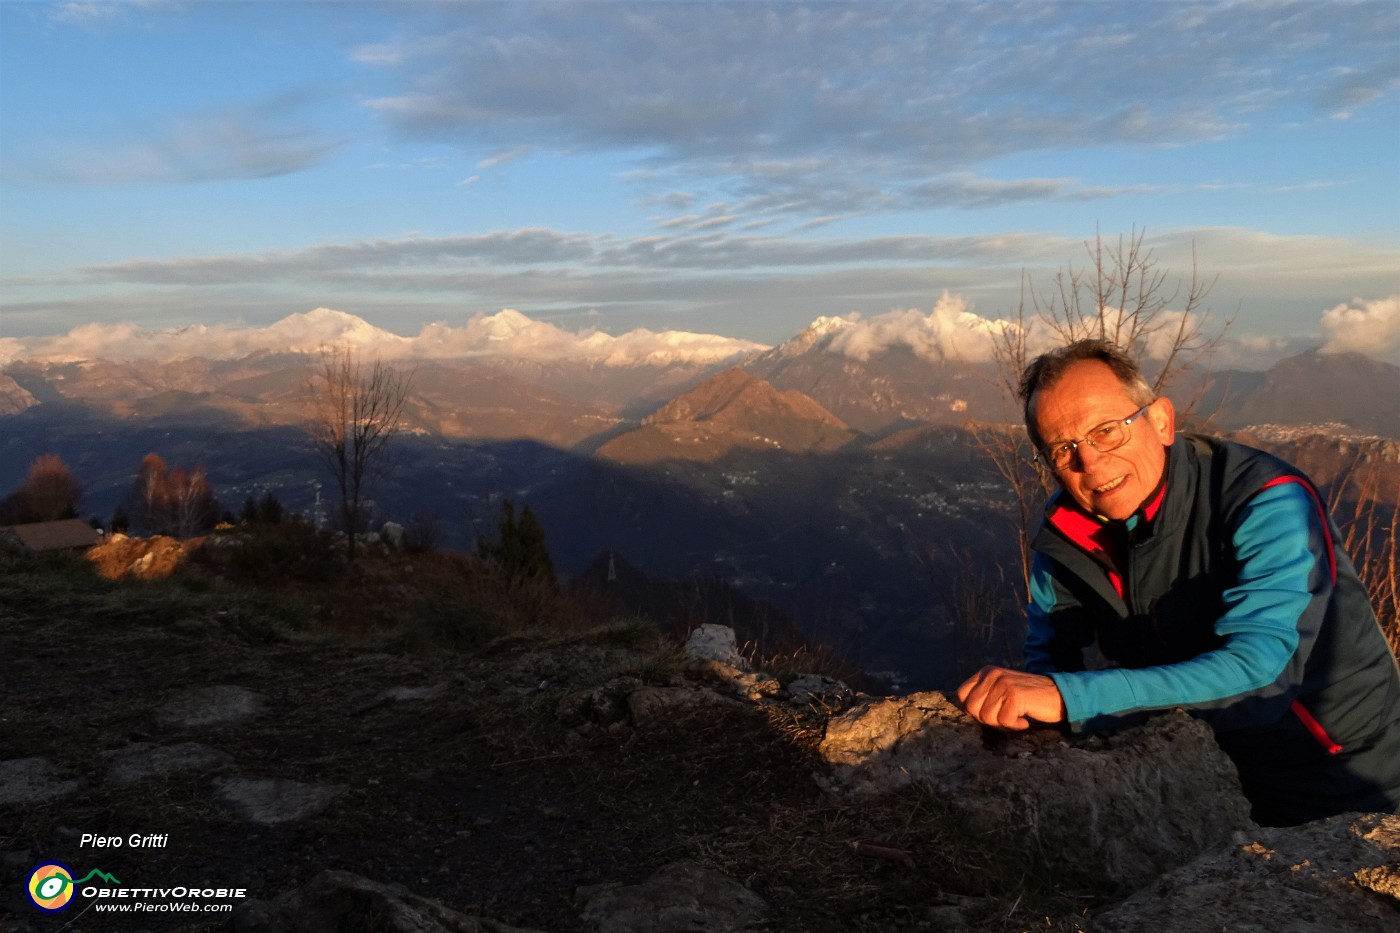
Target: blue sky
(725, 168)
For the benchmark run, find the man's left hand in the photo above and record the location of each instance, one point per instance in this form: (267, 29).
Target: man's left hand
(1010, 699)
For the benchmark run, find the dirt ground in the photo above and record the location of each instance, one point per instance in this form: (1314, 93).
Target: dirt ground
(479, 796)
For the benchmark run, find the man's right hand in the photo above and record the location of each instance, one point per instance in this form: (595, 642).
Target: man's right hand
(1006, 699)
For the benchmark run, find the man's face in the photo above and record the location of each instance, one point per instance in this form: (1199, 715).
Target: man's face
(1116, 483)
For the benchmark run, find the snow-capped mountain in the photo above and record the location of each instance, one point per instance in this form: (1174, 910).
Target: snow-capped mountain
(501, 375)
(507, 335)
(877, 375)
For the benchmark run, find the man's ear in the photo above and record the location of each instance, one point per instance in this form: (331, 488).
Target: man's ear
(1162, 417)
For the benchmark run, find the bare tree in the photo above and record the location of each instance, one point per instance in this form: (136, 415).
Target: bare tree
(355, 411)
(1121, 296)
(146, 489)
(172, 500)
(190, 506)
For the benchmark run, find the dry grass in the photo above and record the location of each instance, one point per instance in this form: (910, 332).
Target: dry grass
(1369, 536)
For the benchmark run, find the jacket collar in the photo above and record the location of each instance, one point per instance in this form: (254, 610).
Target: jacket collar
(1084, 528)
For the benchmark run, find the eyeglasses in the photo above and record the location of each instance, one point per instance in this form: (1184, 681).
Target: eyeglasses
(1104, 437)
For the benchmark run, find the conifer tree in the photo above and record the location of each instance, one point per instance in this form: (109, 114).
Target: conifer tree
(520, 550)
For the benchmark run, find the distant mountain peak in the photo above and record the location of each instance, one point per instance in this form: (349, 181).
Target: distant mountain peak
(325, 315)
(818, 332)
(1313, 387)
(707, 399)
(828, 324)
(735, 396)
(507, 336)
(309, 331)
(730, 410)
(505, 324)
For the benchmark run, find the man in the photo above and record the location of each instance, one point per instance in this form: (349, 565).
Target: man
(1210, 575)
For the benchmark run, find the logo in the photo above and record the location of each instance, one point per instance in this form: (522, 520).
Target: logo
(51, 885)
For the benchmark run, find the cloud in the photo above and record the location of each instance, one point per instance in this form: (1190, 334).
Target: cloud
(398, 263)
(758, 284)
(1369, 327)
(1256, 352)
(260, 140)
(832, 108)
(968, 191)
(82, 12)
(952, 330)
(529, 246)
(512, 335)
(501, 158)
(1300, 272)
(949, 331)
(90, 12)
(127, 341)
(1350, 89)
(507, 334)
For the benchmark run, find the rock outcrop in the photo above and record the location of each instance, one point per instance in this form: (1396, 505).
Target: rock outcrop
(1118, 810)
(1341, 873)
(1154, 812)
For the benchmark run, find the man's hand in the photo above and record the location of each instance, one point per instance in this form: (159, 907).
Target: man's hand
(1007, 699)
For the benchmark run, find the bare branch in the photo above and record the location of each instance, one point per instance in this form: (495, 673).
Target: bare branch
(354, 413)
(1122, 296)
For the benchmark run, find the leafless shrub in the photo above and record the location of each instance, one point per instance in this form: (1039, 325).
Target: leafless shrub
(423, 533)
(1369, 529)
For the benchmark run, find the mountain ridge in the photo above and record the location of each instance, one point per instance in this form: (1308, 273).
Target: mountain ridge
(731, 410)
(877, 376)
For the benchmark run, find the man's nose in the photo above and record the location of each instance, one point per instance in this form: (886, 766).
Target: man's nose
(1087, 454)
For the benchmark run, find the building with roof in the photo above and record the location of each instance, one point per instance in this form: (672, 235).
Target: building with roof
(68, 534)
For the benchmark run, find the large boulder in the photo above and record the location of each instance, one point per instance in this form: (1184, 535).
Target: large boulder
(1114, 812)
(1341, 873)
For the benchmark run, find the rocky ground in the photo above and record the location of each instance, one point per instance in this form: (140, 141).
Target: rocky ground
(599, 781)
(504, 784)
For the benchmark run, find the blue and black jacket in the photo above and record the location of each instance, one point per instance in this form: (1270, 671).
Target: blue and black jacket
(1227, 595)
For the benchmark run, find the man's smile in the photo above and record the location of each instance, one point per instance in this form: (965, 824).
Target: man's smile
(1110, 485)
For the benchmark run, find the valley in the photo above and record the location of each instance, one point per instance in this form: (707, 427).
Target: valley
(844, 493)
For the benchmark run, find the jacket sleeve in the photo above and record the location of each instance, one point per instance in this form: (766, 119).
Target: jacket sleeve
(1057, 625)
(1270, 622)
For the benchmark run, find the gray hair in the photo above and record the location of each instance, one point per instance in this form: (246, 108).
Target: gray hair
(1049, 368)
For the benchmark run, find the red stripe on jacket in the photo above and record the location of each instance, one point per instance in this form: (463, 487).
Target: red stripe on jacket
(1315, 727)
(1321, 514)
